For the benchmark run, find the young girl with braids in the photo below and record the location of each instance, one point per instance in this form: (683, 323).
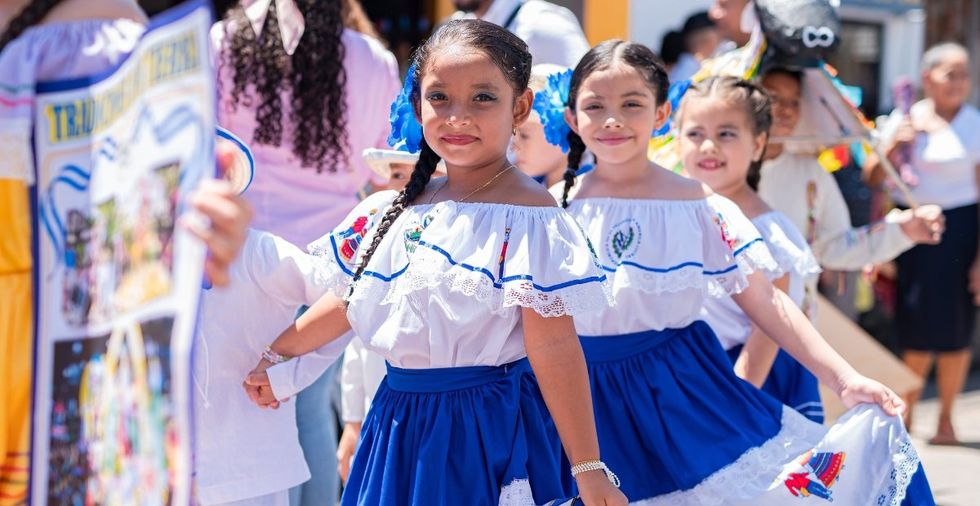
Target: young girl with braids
(465, 284)
(720, 120)
(673, 419)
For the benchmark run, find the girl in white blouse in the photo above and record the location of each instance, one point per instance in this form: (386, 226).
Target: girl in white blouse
(757, 359)
(673, 419)
(464, 284)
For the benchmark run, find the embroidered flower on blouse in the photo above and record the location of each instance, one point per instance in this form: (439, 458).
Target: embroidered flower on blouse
(676, 93)
(406, 132)
(550, 105)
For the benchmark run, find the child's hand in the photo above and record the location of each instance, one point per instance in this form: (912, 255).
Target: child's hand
(346, 448)
(258, 388)
(229, 215)
(596, 490)
(924, 224)
(861, 389)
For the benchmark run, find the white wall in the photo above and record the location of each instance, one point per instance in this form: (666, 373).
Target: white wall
(903, 38)
(651, 19)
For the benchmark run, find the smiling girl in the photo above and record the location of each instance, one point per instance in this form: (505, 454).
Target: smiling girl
(673, 419)
(722, 123)
(464, 284)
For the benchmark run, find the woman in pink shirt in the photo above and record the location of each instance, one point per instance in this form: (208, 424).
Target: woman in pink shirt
(308, 96)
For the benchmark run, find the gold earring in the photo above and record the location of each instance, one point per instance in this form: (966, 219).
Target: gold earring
(514, 130)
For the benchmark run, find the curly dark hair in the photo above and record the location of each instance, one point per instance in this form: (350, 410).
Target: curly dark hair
(314, 75)
(508, 52)
(29, 16)
(634, 54)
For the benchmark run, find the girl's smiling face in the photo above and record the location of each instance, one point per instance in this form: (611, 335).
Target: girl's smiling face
(616, 113)
(468, 108)
(717, 142)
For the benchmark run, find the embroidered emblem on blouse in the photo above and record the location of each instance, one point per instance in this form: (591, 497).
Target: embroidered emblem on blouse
(352, 237)
(725, 234)
(820, 472)
(414, 234)
(623, 240)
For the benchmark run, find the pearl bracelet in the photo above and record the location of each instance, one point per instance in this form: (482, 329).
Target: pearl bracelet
(595, 465)
(274, 357)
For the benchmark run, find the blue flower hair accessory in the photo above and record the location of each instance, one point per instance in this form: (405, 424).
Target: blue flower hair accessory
(406, 132)
(550, 105)
(676, 93)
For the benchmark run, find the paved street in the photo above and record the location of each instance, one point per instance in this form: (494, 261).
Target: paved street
(954, 472)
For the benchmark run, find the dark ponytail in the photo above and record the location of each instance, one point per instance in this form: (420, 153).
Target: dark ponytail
(576, 148)
(428, 160)
(30, 15)
(634, 54)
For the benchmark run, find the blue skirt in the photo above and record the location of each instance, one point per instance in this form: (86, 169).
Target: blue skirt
(461, 435)
(679, 428)
(670, 411)
(791, 384)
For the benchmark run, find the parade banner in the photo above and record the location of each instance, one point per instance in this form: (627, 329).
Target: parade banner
(117, 279)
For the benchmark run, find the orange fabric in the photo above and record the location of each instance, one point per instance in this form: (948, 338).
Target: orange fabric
(15, 341)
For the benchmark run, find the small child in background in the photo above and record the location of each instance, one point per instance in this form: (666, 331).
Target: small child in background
(532, 152)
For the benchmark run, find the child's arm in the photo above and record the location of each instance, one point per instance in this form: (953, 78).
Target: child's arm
(559, 365)
(323, 323)
(777, 316)
(757, 356)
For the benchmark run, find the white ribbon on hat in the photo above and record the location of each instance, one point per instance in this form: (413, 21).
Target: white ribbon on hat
(291, 22)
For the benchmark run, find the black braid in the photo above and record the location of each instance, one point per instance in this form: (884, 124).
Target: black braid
(428, 160)
(576, 148)
(30, 15)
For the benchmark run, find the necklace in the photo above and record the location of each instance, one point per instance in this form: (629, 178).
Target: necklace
(470, 194)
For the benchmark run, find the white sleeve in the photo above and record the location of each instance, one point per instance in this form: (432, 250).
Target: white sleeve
(352, 378)
(338, 250)
(841, 247)
(732, 249)
(282, 270)
(289, 378)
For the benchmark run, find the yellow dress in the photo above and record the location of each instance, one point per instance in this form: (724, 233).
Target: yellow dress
(15, 341)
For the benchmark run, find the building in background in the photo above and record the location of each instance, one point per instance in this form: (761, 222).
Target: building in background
(956, 21)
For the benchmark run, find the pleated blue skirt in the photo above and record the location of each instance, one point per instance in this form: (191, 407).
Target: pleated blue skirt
(670, 411)
(462, 435)
(791, 384)
(679, 428)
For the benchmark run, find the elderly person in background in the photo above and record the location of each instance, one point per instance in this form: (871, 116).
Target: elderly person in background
(939, 285)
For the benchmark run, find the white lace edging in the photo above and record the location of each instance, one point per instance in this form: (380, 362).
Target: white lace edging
(429, 269)
(906, 463)
(753, 471)
(802, 265)
(753, 257)
(329, 275)
(516, 493)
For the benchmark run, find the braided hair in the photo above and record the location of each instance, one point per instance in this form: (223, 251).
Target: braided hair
(508, 52)
(30, 15)
(314, 75)
(752, 97)
(601, 57)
